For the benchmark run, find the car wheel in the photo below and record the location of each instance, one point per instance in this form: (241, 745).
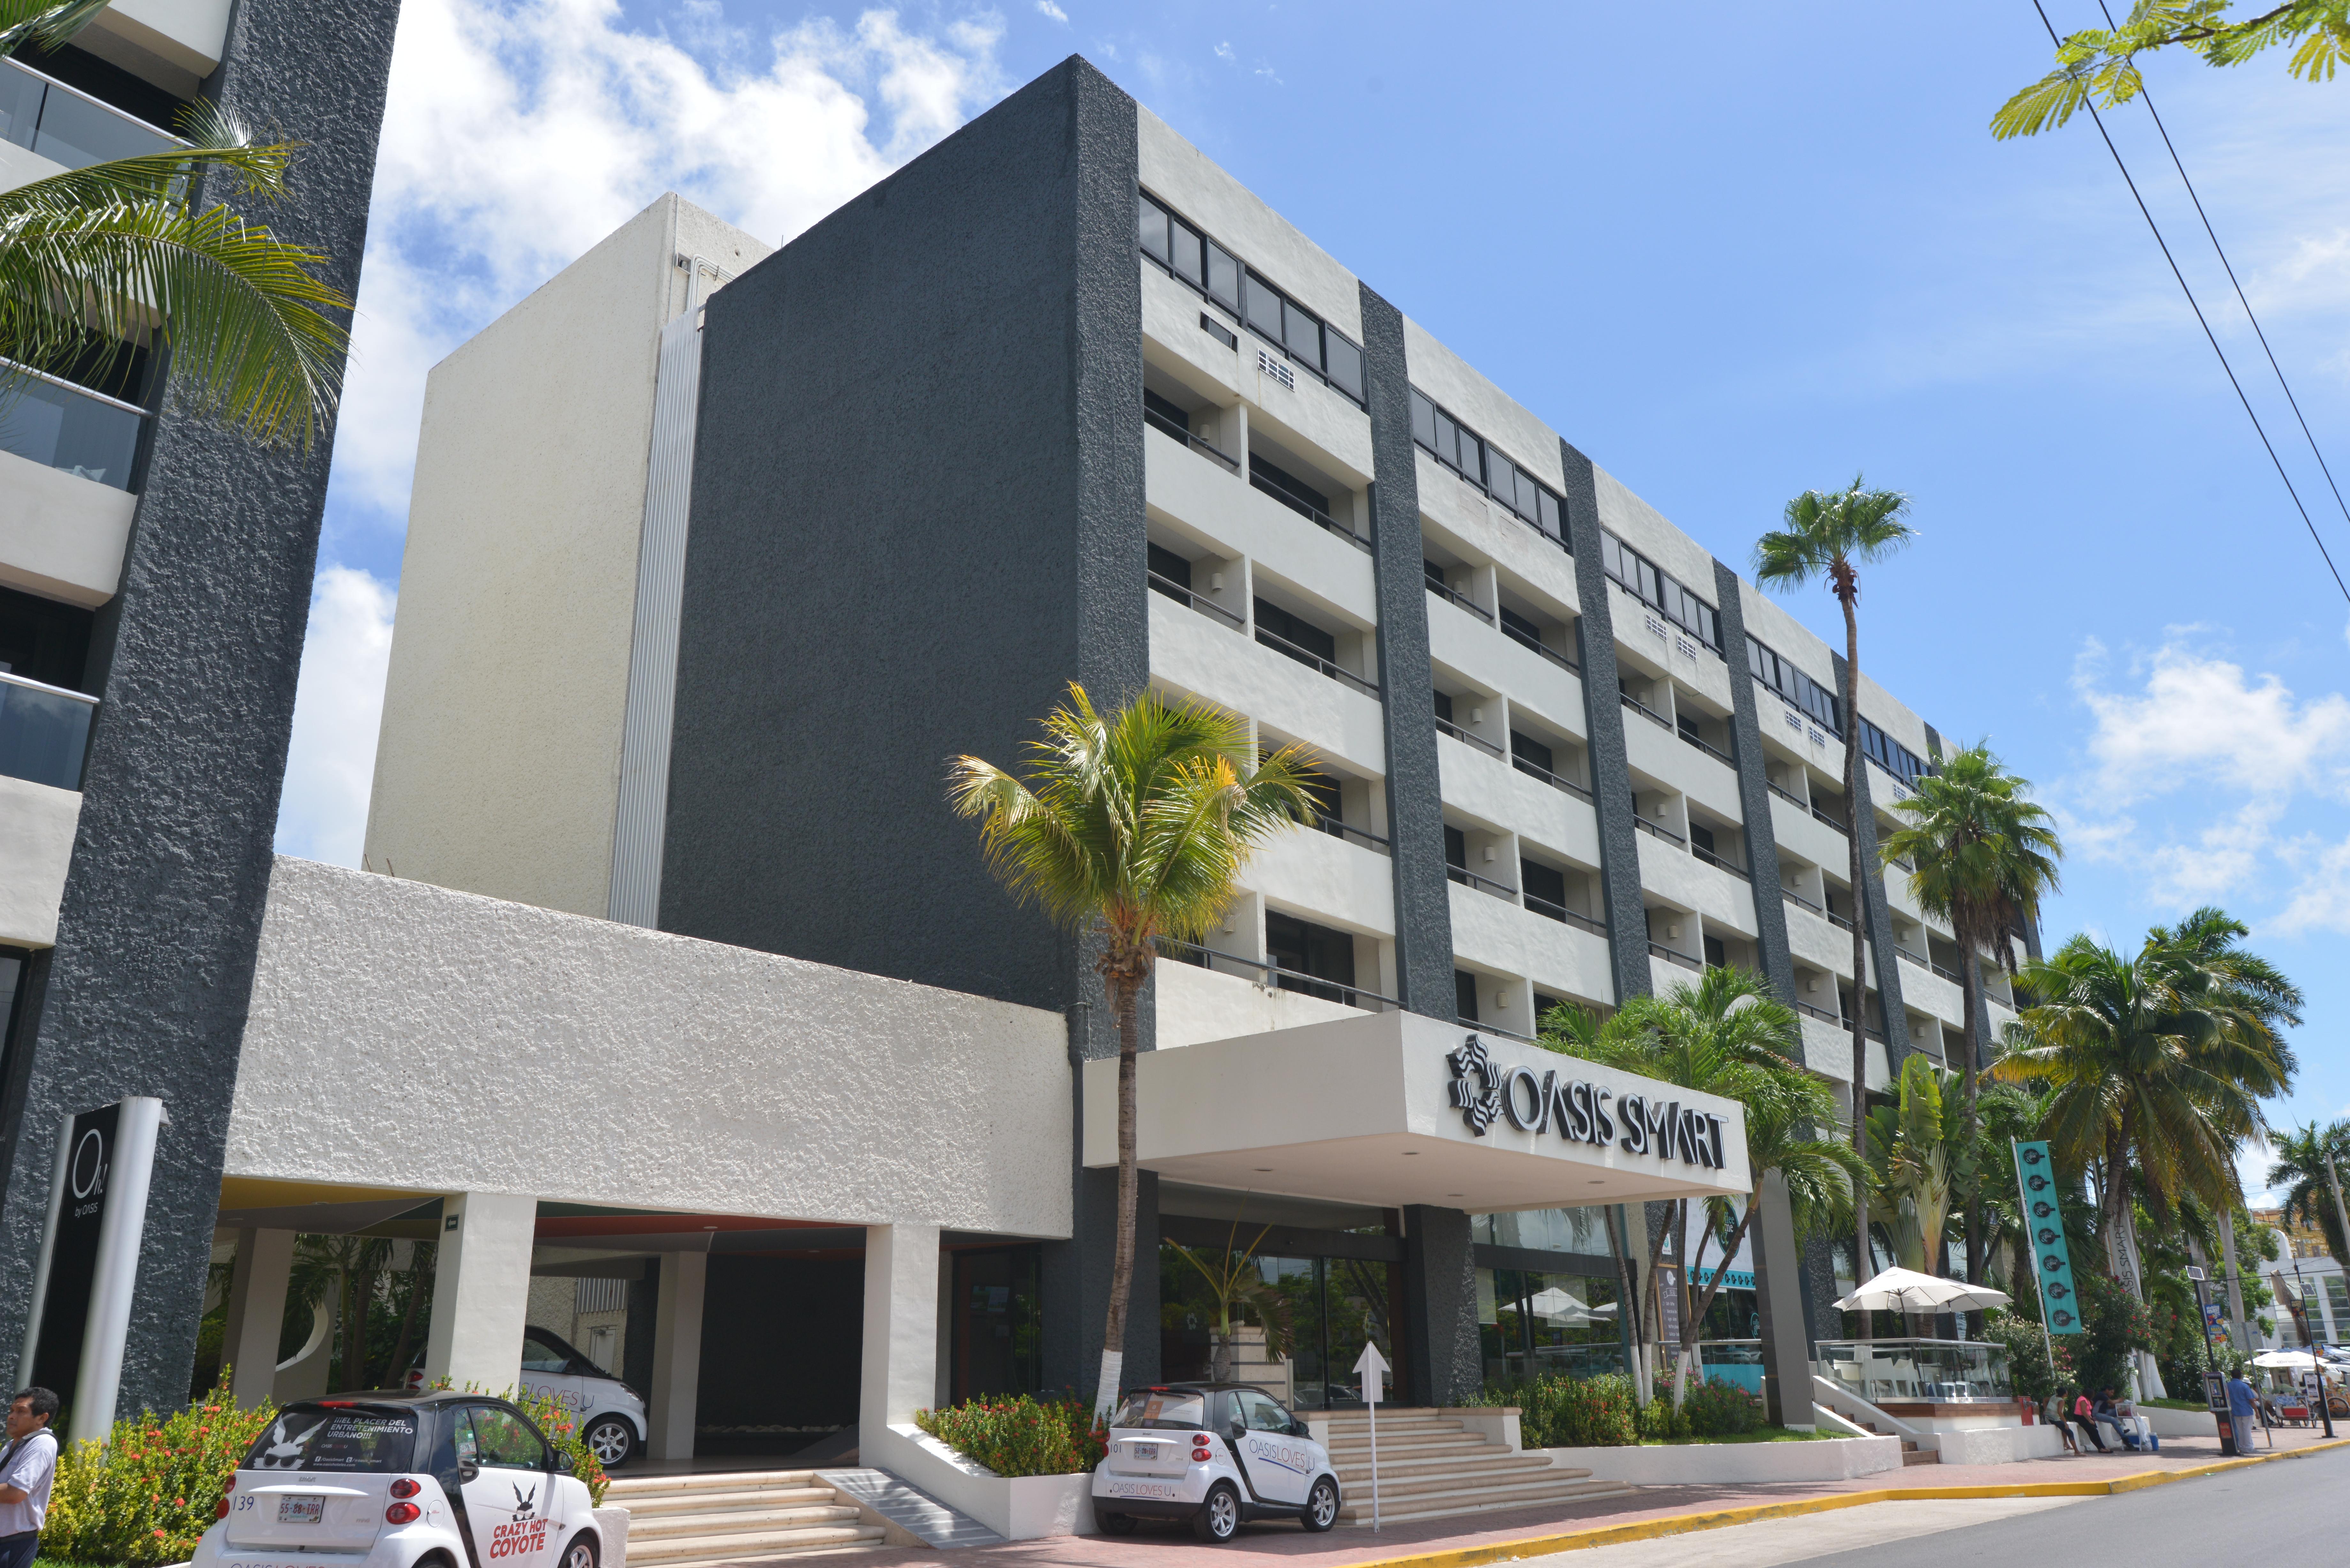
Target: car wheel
(1116, 1524)
(581, 1552)
(1321, 1506)
(1219, 1519)
(613, 1442)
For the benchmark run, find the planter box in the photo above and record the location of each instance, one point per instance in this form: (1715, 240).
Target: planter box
(2181, 1423)
(1683, 1463)
(612, 1524)
(1994, 1445)
(1020, 1509)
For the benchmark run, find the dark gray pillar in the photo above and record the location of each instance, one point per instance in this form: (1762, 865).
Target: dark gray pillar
(1439, 1299)
(1603, 713)
(1880, 930)
(1779, 1298)
(196, 657)
(1423, 900)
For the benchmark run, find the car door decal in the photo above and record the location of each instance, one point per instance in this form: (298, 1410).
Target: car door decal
(1240, 1464)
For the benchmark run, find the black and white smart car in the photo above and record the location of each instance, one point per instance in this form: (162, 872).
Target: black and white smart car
(610, 1414)
(403, 1480)
(1215, 1454)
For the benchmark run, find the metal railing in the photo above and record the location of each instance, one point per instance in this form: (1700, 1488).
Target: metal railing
(1468, 878)
(1166, 426)
(57, 424)
(67, 126)
(1822, 1013)
(1922, 961)
(1826, 914)
(1486, 1028)
(1650, 828)
(1718, 864)
(1289, 650)
(1709, 749)
(1337, 829)
(1637, 706)
(44, 731)
(1524, 640)
(1833, 822)
(1311, 513)
(1447, 726)
(1275, 977)
(1561, 913)
(1198, 601)
(1445, 591)
(1786, 795)
(1534, 770)
(1673, 955)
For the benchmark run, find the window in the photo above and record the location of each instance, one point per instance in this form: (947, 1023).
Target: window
(1176, 1408)
(1891, 755)
(1189, 254)
(1464, 996)
(1463, 451)
(1261, 1413)
(540, 1355)
(1296, 632)
(1444, 707)
(1165, 563)
(1526, 747)
(1273, 476)
(1192, 258)
(1169, 414)
(1640, 578)
(1305, 953)
(1797, 688)
(1717, 956)
(1543, 886)
(502, 1439)
(1702, 837)
(1456, 849)
(365, 1442)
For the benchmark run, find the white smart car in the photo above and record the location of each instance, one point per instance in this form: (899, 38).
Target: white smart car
(403, 1480)
(611, 1414)
(1215, 1454)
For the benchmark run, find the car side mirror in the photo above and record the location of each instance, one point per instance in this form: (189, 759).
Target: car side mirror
(468, 1469)
(1240, 1428)
(1299, 1428)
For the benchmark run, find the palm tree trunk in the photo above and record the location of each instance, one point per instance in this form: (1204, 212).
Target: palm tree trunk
(1125, 992)
(1971, 975)
(1846, 593)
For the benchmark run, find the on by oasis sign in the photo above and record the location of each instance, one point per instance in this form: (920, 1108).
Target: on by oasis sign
(1580, 1111)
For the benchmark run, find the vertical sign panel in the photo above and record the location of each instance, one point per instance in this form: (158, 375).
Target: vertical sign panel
(89, 1268)
(2044, 1227)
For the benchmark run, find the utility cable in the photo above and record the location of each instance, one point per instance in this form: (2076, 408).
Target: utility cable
(2240, 298)
(2212, 337)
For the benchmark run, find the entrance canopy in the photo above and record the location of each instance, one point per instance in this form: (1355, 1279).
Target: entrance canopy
(1392, 1109)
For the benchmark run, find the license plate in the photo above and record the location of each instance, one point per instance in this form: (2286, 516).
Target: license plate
(1146, 1450)
(301, 1509)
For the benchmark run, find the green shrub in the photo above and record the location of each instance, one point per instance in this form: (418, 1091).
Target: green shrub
(1021, 1436)
(1556, 1411)
(1661, 1423)
(562, 1430)
(150, 1492)
(1718, 1410)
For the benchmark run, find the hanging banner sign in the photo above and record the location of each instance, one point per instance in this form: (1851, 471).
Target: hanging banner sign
(89, 1266)
(2043, 1229)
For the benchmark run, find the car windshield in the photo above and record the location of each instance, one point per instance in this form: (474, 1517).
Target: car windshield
(1162, 1407)
(350, 1441)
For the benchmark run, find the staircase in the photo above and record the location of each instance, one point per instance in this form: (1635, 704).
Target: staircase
(685, 1521)
(1851, 1407)
(1430, 1468)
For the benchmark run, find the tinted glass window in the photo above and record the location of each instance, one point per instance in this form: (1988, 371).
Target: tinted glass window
(1448, 440)
(504, 1440)
(1167, 563)
(1162, 1407)
(1295, 630)
(1423, 421)
(1546, 514)
(1456, 849)
(366, 1442)
(538, 1356)
(1301, 333)
(1542, 882)
(1261, 307)
(1444, 707)
(1224, 278)
(1501, 476)
(1154, 229)
(1344, 363)
(1185, 242)
(1464, 996)
(1261, 1413)
(1532, 749)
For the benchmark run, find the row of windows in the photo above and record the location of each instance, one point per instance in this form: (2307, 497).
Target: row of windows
(1645, 582)
(1460, 449)
(1891, 755)
(1199, 261)
(1816, 699)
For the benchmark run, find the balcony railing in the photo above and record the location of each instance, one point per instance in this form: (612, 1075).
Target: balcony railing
(1275, 977)
(1446, 726)
(1786, 795)
(1835, 822)
(1443, 590)
(1710, 750)
(1640, 707)
(1311, 513)
(1489, 1027)
(1822, 1013)
(1198, 601)
(1525, 639)
(1828, 915)
(1166, 426)
(1718, 864)
(1289, 650)
(66, 126)
(1673, 955)
(1534, 770)
(44, 731)
(60, 425)
(1653, 831)
(1566, 916)
(1922, 961)
(1353, 835)
(1468, 878)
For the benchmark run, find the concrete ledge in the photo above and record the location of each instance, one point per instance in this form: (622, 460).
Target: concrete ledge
(1022, 1508)
(1994, 1445)
(1680, 1464)
(612, 1524)
(2181, 1423)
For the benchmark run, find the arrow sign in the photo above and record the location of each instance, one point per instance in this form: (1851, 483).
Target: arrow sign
(1371, 1370)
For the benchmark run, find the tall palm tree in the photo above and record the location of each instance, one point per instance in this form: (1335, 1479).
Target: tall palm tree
(1824, 535)
(1921, 1156)
(2301, 1171)
(97, 260)
(1133, 823)
(2156, 1066)
(1726, 1035)
(1985, 857)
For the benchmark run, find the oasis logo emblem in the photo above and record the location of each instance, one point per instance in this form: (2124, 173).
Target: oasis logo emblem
(1483, 1092)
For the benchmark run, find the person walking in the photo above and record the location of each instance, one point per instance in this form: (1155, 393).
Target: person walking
(27, 1466)
(2084, 1416)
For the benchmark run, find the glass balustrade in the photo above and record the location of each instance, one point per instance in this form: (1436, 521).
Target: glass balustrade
(62, 426)
(64, 126)
(44, 731)
(1940, 1371)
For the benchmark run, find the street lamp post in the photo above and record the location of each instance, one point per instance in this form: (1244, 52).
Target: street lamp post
(2316, 1362)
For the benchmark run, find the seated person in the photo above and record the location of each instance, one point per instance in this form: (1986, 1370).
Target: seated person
(2107, 1415)
(2084, 1416)
(2054, 1414)
(2127, 1408)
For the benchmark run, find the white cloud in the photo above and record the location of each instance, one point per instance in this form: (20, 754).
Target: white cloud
(1047, 8)
(337, 706)
(2196, 718)
(1224, 52)
(2320, 897)
(2223, 858)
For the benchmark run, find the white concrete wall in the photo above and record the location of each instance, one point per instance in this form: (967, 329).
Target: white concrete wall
(174, 44)
(404, 1035)
(498, 766)
(61, 536)
(1195, 1005)
(37, 837)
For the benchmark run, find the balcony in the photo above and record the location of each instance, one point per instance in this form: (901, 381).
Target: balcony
(1524, 640)
(1275, 977)
(44, 733)
(1303, 507)
(1718, 864)
(1445, 591)
(1828, 915)
(1536, 771)
(1674, 956)
(1447, 727)
(1665, 835)
(1926, 963)
(1201, 602)
(1650, 713)
(1562, 915)
(68, 127)
(71, 429)
(1468, 878)
(1312, 661)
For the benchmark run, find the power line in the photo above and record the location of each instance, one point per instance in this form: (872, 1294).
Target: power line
(2240, 299)
(2209, 336)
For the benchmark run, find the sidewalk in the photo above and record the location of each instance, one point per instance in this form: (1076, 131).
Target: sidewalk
(1488, 1538)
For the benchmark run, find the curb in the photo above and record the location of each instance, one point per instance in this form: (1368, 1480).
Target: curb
(1684, 1523)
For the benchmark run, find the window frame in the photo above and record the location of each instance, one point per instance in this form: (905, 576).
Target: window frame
(1633, 572)
(1440, 430)
(1240, 302)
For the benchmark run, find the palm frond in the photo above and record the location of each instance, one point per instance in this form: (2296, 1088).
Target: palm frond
(50, 24)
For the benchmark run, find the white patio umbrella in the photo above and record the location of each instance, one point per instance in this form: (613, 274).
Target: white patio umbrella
(1906, 1290)
(1555, 1305)
(2283, 1361)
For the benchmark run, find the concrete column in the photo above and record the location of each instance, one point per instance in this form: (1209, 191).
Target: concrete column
(256, 1312)
(1440, 1293)
(481, 1289)
(902, 1329)
(1778, 1294)
(677, 1354)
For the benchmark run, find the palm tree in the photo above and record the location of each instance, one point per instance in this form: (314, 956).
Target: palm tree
(1135, 824)
(2156, 1066)
(96, 260)
(1921, 1156)
(2300, 1170)
(1725, 1035)
(1823, 535)
(1985, 857)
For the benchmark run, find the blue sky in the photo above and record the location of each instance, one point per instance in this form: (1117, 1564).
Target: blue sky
(1730, 252)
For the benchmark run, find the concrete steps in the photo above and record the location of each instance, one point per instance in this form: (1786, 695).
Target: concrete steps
(752, 1516)
(1430, 1467)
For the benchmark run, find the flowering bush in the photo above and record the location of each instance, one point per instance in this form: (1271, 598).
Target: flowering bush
(1718, 1410)
(562, 1430)
(155, 1487)
(1556, 1411)
(1021, 1436)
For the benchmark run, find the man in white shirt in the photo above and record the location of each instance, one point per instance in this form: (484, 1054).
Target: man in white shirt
(28, 1465)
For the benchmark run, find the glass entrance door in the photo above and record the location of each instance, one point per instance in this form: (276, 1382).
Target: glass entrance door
(1330, 1307)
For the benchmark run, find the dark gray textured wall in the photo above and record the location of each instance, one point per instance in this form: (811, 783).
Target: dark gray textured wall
(1423, 897)
(1603, 711)
(147, 989)
(1880, 930)
(1442, 1360)
(1754, 793)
